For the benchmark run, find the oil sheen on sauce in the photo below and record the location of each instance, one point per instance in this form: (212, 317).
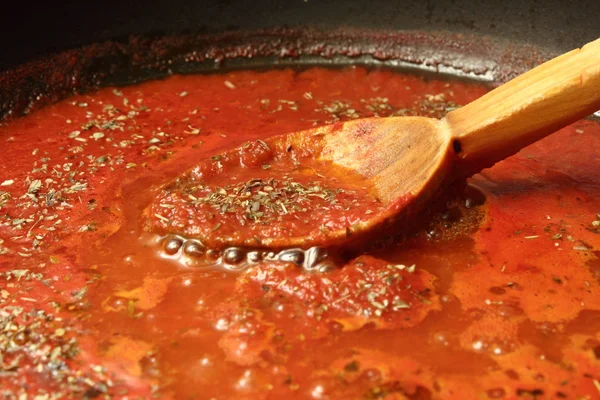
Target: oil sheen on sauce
(493, 293)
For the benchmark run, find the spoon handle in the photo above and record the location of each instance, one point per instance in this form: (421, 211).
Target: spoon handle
(526, 109)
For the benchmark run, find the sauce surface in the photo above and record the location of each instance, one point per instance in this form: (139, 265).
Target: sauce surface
(492, 295)
(257, 195)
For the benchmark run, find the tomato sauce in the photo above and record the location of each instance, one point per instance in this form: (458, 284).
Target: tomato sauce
(491, 294)
(257, 195)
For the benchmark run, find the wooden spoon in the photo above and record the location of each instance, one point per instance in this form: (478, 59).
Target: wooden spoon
(409, 159)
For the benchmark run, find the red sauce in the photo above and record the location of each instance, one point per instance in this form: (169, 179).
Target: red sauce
(483, 299)
(258, 196)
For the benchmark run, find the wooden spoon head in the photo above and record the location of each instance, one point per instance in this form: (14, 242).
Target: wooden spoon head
(403, 160)
(401, 156)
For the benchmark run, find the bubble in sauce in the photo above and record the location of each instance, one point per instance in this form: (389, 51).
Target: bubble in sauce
(473, 197)
(171, 245)
(194, 249)
(234, 255)
(452, 214)
(295, 256)
(212, 254)
(254, 256)
(325, 266)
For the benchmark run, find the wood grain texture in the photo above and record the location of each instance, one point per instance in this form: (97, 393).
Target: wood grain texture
(526, 109)
(400, 155)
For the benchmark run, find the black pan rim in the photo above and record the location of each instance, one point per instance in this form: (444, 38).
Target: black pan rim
(135, 59)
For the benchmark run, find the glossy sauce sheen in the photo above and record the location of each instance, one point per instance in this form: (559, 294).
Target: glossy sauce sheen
(493, 294)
